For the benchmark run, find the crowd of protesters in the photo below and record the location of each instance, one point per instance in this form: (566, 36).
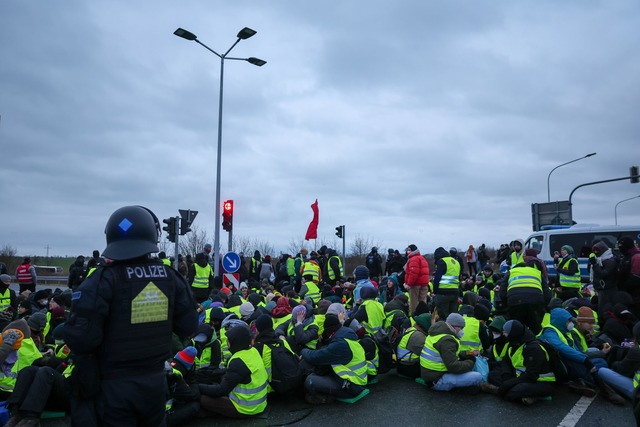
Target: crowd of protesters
(303, 324)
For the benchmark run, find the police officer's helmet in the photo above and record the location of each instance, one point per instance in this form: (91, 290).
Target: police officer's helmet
(132, 231)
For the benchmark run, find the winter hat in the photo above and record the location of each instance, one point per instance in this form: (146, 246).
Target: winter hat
(568, 248)
(498, 323)
(57, 313)
(454, 319)
(394, 279)
(323, 306)
(470, 298)
(506, 328)
(186, 356)
(368, 292)
(424, 321)
(585, 314)
(361, 272)
(5, 278)
(243, 286)
(485, 302)
(465, 310)
(481, 312)
(254, 299)
(412, 248)
(331, 325)
(554, 303)
(20, 325)
(336, 308)
(297, 310)
(204, 333)
(37, 321)
(263, 322)
(246, 309)
(514, 330)
(218, 314)
(239, 338)
(624, 244)
(225, 290)
(58, 334)
(421, 308)
(269, 306)
(600, 248)
(487, 267)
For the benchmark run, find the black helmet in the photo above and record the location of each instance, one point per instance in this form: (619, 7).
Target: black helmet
(132, 231)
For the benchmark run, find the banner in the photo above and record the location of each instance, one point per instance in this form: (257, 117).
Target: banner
(312, 231)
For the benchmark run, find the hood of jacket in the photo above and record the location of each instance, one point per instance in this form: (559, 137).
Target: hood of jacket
(559, 319)
(440, 253)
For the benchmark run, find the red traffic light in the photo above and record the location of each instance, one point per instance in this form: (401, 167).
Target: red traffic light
(227, 206)
(227, 215)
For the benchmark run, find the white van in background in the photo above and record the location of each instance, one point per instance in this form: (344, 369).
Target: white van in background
(581, 238)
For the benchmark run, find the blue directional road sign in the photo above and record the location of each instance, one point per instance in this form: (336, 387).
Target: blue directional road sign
(231, 262)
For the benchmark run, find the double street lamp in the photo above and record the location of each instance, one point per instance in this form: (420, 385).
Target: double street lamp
(549, 176)
(244, 34)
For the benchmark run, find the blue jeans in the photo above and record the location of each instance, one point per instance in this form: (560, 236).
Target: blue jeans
(618, 382)
(451, 381)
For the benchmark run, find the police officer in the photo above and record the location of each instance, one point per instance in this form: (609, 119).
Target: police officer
(120, 327)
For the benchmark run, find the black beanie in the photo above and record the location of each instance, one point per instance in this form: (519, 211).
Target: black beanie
(263, 322)
(331, 325)
(421, 308)
(514, 331)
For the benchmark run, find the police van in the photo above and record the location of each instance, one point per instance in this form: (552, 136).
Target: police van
(581, 237)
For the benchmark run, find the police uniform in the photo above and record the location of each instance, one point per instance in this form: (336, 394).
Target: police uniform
(120, 326)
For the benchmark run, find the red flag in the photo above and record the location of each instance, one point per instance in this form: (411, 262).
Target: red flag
(312, 231)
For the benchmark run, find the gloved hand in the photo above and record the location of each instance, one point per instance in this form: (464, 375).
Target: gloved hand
(12, 337)
(592, 259)
(465, 355)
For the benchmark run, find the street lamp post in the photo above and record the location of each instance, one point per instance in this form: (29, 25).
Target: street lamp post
(549, 176)
(243, 34)
(615, 211)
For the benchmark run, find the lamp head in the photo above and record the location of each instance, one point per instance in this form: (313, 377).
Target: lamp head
(256, 61)
(245, 33)
(184, 34)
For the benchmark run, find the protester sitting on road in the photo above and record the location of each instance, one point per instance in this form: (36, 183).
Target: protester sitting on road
(242, 392)
(301, 330)
(184, 394)
(411, 345)
(582, 369)
(342, 352)
(526, 373)
(624, 375)
(441, 367)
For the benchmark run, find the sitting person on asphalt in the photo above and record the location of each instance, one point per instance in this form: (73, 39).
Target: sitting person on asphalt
(581, 368)
(440, 364)
(525, 373)
(339, 366)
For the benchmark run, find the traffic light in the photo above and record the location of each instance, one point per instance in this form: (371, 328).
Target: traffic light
(633, 171)
(227, 215)
(170, 228)
(339, 231)
(186, 219)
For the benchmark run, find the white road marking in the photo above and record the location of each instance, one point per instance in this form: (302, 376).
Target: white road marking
(578, 410)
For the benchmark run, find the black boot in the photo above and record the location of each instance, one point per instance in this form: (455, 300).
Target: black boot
(16, 416)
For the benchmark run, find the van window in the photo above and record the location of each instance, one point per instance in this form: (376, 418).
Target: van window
(534, 242)
(583, 242)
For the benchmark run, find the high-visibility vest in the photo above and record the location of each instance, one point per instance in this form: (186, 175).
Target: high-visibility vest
(516, 259)
(471, 338)
(499, 356)
(451, 278)
(254, 265)
(546, 320)
(267, 357)
(318, 319)
(313, 292)
(250, 398)
(565, 340)
(375, 316)
(5, 299)
(291, 267)
(579, 339)
(636, 379)
(169, 403)
(567, 281)
(166, 261)
(390, 315)
(332, 274)
(517, 361)
(355, 371)
(311, 344)
(430, 357)
(201, 279)
(23, 275)
(313, 269)
(402, 353)
(277, 321)
(224, 347)
(524, 277)
(27, 354)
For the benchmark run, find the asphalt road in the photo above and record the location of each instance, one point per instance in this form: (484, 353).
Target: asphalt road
(400, 402)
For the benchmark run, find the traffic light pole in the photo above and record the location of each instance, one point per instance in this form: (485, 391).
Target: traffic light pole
(344, 254)
(175, 248)
(230, 240)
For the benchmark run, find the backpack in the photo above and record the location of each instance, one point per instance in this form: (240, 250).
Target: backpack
(557, 366)
(385, 342)
(286, 375)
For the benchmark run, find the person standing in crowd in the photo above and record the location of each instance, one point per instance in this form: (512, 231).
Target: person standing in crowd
(77, 272)
(526, 295)
(604, 273)
(374, 264)
(395, 262)
(416, 278)
(335, 270)
(446, 282)
(201, 277)
(266, 270)
(120, 327)
(26, 276)
(483, 257)
(7, 295)
(568, 284)
(629, 272)
(517, 254)
(472, 260)
(99, 260)
(255, 266)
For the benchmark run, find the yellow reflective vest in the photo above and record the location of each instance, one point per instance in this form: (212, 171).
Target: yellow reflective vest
(251, 398)
(356, 370)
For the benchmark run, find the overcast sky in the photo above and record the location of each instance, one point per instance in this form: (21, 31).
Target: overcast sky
(434, 123)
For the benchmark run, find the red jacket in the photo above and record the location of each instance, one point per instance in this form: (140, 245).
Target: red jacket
(417, 270)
